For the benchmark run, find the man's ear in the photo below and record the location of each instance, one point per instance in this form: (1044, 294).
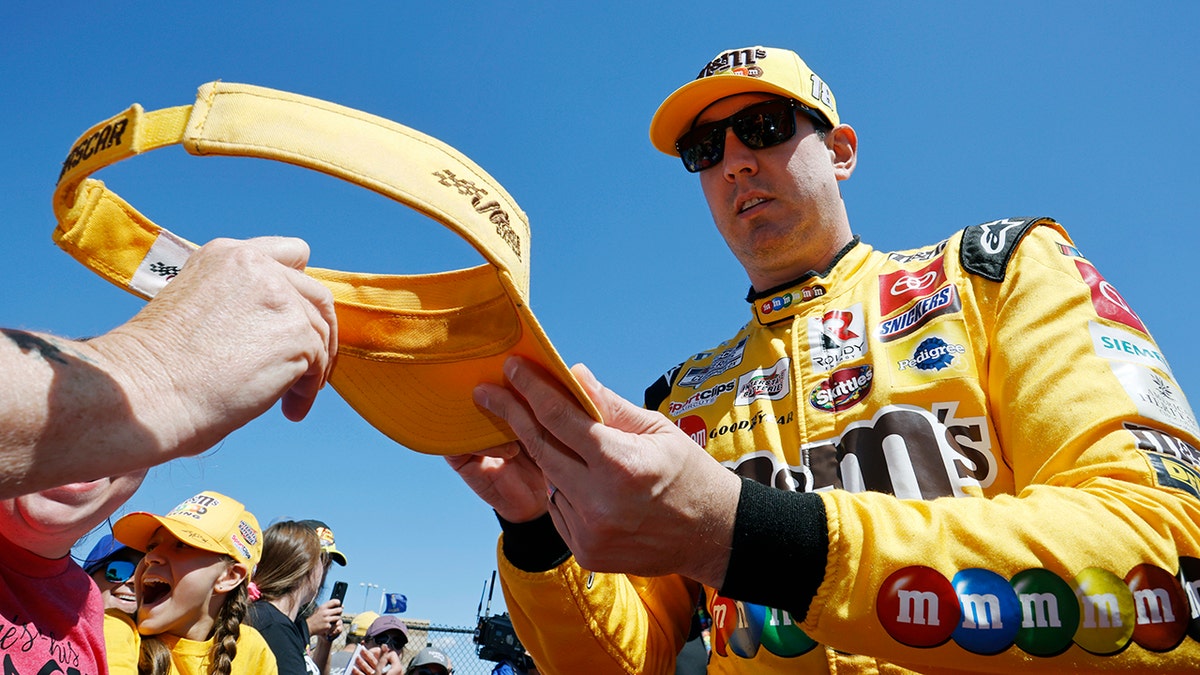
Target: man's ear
(231, 578)
(842, 142)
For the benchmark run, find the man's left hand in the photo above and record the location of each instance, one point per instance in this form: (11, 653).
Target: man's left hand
(634, 494)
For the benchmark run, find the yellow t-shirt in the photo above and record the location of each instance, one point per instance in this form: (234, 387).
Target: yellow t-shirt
(188, 657)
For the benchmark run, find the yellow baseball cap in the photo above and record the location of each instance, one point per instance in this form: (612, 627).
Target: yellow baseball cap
(209, 521)
(411, 347)
(740, 71)
(362, 622)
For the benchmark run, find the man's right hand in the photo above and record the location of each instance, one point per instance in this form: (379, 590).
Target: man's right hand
(507, 479)
(239, 328)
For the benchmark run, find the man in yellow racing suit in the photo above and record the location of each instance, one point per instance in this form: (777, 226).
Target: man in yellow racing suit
(970, 456)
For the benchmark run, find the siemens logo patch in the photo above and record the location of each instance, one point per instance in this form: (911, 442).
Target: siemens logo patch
(1114, 343)
(945, 301)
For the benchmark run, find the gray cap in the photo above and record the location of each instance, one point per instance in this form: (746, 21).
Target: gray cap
(430, 656)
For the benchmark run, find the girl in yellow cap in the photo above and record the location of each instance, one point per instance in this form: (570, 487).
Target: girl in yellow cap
(193, 588)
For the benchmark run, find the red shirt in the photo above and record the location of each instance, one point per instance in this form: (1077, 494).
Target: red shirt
(51, 615)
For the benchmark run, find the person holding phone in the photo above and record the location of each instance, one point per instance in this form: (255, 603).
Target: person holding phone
(288, 579)
(326, 619)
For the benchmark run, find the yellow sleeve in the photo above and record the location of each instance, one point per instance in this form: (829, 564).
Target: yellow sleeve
(121, 642)
(1090, 561)
(574, 621)
(254, 655)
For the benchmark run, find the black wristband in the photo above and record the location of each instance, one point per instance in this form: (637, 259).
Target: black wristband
(780, 546)
(534, 546)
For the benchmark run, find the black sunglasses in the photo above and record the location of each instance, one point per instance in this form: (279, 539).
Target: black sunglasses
(758, 126)
(395, 642)
(119, 571)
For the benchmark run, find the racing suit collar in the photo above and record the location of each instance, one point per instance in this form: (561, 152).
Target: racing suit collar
(785, 300)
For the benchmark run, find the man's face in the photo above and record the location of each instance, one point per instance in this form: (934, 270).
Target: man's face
(49, 522)
(772, 205)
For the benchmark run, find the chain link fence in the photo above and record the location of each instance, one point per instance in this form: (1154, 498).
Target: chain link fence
(457, 642)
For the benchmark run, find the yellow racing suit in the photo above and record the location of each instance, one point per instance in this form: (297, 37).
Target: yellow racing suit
(965, 457)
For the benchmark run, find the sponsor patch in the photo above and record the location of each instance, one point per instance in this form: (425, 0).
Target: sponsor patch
(700, 398)
(1171, 472)
(987, 248)
(897, 289)
(773, 384)
(1156, 397)
(844, 389)
(1165, 444)
(1108, 302)
(919, 255)
(944, 301)
(933, 353)
(730, 358)
(250, 533)
(937, 353)
(836, 336)
(1116, 344)
(786, 305)
(695, 428)
(1069, 251)
(1041, 612)
(240, 546)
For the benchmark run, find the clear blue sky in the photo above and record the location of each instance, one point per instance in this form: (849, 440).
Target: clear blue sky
(966, 112)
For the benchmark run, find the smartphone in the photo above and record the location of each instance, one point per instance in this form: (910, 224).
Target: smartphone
(339, 591)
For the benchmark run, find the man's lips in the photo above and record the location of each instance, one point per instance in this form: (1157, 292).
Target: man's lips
(748, 203)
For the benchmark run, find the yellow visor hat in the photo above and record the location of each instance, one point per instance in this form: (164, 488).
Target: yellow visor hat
(411, 347)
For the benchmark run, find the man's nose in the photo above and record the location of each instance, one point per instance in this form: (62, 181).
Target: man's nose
(738, 158)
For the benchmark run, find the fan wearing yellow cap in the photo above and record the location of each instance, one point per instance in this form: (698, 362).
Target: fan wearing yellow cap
(339, 661)
(193, 591)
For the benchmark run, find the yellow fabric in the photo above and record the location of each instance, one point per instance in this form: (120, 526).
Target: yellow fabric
(739, 71)
(412, 347)
(188, 657)
(210, 521)
(1054, 444)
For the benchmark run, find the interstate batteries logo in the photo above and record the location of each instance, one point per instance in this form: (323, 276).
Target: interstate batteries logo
(773, 384)
(843, 389)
